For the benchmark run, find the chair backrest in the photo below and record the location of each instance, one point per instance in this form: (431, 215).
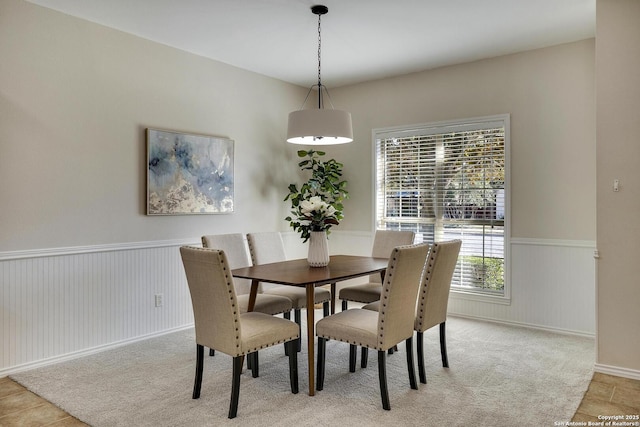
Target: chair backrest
(434, 290)
(235, 248)
(402, 280)
(215, 308)
(266, 247)
(384, 242)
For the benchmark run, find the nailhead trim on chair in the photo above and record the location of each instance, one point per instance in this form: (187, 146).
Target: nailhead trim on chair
(427, 277)
(269, 345)
(387, 278)
(363, 302)
(359, 344)
(253, 260)
(233, 301)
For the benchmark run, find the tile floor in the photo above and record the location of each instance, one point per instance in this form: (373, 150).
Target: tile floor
(20, 407)
(607, 395)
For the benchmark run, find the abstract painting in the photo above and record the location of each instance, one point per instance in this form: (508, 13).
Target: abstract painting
(188, 174)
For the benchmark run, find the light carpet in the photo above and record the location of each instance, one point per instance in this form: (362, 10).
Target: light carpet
(499, 376)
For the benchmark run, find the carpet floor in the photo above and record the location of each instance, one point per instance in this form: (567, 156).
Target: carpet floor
(499, 376)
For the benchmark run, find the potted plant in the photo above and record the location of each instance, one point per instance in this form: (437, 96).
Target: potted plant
(317, 205)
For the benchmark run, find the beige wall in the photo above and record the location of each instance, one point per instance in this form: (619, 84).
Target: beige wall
(75, 99)
(550, 96)
(618, 154)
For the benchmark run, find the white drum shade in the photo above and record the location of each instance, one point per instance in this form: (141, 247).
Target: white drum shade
(319, 126)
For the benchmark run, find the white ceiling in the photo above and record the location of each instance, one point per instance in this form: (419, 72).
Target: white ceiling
(361, 40)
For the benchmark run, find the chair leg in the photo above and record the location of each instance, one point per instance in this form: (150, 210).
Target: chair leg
(212, 352)
(352, 357)
(286, 315)
(293, 365)
(410, 367)
(249, 362)
(421, 372)
(255, 367)
(344, 305)
(320, 366)
(298, 320)
(197, 385)
(325, 309)
(235, 386)
(382, 374)
(364, 357)
(443, 346)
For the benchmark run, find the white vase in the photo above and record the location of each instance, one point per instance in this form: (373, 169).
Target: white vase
(318, 249)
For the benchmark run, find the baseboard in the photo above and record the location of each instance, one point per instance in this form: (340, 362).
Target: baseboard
(525, 325)
(70, 356)
(617, 371)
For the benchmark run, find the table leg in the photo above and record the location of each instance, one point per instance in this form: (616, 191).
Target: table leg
(252, 303)
(333, 298)
(311, 336)
(252, 295)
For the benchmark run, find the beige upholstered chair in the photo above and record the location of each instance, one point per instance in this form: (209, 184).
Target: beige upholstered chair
(380, 330)
(221, 326)
(267, 247)
(383, 243)
(238, 256)
(433, 298)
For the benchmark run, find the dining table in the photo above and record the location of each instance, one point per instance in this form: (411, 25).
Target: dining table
(298, 273)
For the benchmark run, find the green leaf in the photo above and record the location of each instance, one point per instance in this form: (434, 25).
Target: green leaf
(324, 182)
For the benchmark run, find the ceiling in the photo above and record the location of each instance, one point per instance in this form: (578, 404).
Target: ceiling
(361, 40)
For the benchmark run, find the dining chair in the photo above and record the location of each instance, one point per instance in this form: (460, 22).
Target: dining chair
(433, 299)
(381, 330)
(268, 247)
(234, 246)
(221, 326)
(383, 243)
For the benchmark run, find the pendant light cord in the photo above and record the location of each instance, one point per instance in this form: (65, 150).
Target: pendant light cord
(320, 103)
(319, 10)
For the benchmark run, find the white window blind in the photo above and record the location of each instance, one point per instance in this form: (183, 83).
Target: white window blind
(448, 181)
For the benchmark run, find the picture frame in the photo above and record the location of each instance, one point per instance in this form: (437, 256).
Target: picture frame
(189, 173)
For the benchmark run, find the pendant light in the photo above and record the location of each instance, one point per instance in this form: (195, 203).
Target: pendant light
(319, 126)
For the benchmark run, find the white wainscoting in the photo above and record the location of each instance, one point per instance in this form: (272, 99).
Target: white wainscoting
(68, 302)
(552, 287)
(63, 303)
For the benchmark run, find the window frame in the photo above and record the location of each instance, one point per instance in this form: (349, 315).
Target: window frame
(453, 126)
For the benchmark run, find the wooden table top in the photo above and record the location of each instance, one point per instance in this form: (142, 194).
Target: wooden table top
(298, 272)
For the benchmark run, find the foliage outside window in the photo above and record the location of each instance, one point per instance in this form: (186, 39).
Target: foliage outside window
(448, 181)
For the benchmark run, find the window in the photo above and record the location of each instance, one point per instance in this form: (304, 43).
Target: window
(449, 180)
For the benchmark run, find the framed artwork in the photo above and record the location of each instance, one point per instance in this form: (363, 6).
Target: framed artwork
(188, 174)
